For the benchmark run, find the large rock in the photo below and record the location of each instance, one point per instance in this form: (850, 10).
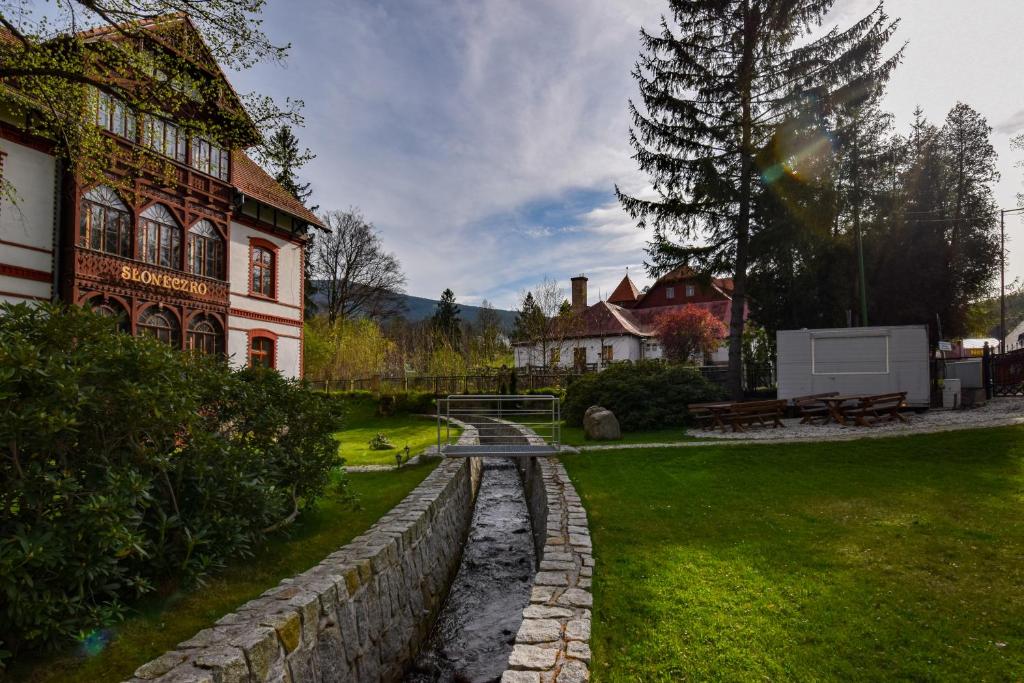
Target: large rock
(599, 424)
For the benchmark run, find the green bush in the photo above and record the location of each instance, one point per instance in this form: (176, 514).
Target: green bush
(381, 442)
(643, 395)
(127, 463)
(558, 392)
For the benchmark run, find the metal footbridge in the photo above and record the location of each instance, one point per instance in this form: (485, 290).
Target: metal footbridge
(498, 421)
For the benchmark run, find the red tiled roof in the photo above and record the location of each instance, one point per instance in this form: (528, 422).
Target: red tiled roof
(251, 180)
(626, 291)
(608, 319)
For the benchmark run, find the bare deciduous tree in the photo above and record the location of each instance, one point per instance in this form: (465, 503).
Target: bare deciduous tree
(354, 273)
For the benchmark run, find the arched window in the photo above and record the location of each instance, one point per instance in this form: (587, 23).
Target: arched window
(109, 308)
(106, 224)
(159, 237)
(206, 250)
(160, 324)
(261, 352)
(205, 336)
(263, 271)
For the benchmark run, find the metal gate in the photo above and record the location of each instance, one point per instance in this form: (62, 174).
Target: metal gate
(1005, 373)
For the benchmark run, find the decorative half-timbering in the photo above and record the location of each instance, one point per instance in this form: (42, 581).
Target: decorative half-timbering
(167, 245)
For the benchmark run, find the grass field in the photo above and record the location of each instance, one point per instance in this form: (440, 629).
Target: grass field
(362, 424)
(885, 559)
(573, 436)
(162, 622)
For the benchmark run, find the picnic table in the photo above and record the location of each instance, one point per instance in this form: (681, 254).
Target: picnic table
(711, 415)
(865, 409)
(735, 414)
(835, 406)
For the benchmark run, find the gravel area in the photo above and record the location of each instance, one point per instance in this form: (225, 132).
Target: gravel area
(998, 412)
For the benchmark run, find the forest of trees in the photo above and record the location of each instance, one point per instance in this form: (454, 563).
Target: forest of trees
(773, 162)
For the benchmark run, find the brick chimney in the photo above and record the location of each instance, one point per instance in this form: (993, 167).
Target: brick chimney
(579, 293)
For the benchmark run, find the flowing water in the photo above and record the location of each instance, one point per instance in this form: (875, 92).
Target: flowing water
(472, 637)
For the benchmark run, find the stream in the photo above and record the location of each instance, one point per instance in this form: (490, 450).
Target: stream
(473, 635)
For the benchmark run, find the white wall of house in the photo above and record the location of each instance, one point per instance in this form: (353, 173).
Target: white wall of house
(623, 348)
(27, 223)
(282, 315)
(287, 349)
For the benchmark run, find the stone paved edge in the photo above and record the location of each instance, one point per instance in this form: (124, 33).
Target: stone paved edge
(359, 615)
(553, 642)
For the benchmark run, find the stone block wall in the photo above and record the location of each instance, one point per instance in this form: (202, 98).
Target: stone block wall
(553, 643)
(359, 615)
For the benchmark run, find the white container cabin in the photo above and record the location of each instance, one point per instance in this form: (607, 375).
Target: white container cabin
(855, 360)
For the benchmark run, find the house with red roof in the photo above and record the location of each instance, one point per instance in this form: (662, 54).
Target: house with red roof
(623, 326)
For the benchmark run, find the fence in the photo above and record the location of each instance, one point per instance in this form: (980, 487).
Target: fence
(1004, 373)
(757, 379)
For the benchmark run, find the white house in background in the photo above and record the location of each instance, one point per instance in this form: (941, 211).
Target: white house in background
(623, 327)
(1015, 338)
(212, 263)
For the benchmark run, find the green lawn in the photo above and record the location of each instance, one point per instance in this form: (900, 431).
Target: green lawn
(162, 622)
(895, 559)
(362, 424)
(573, 436)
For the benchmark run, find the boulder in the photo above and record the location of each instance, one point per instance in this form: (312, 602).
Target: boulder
(600, 424)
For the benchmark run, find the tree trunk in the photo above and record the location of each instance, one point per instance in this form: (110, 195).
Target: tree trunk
(734, 376)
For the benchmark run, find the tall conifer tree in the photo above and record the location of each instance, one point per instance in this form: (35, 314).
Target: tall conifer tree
(716, 81)
(447, 319)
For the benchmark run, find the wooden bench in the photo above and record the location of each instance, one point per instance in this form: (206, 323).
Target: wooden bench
(812, 407)
(749, 412)
(873, 409)
(703, 415)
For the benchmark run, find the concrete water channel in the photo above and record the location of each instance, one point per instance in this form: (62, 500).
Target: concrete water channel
(475, 631)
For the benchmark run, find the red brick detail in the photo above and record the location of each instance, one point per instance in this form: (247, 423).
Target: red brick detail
(25, 273)
(265, 317)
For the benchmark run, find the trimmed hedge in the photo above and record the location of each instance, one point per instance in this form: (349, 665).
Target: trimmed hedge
(127, 463)
(643, 395)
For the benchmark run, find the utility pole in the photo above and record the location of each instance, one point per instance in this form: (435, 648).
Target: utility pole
(1002, 280)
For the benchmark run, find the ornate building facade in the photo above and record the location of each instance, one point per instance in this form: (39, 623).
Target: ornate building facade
(208, 259)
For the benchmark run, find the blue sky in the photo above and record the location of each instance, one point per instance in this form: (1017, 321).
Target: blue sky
(484, 137)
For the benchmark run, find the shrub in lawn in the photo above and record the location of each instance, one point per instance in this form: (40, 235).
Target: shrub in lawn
(558, 392)
(128, 463)
(643, 395)
(380, 442)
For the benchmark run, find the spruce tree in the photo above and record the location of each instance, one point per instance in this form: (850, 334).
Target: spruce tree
(716, 81)
(447, 321)
(284, 156)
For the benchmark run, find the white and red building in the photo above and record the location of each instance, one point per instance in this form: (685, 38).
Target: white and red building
(622, 328)
(212, 263)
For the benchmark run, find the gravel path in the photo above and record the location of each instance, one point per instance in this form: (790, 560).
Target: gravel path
(998, 412)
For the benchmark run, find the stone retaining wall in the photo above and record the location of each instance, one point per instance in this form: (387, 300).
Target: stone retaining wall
(553, 643)
(360, 615)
